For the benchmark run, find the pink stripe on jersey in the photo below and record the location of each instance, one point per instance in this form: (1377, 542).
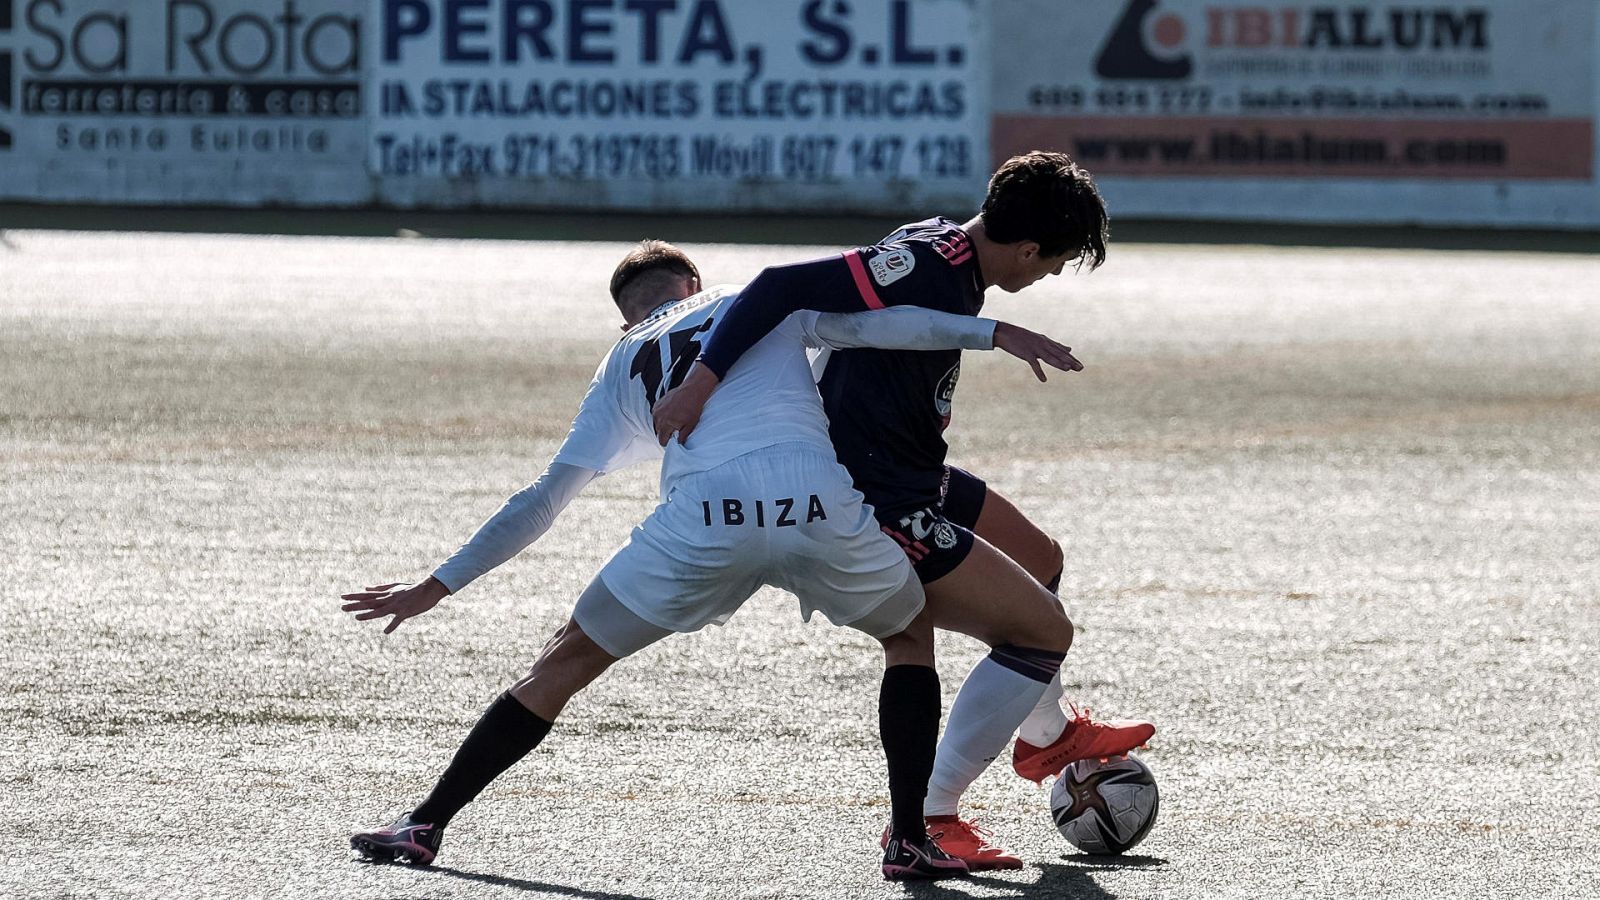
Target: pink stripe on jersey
(953, 246)
(858, 271)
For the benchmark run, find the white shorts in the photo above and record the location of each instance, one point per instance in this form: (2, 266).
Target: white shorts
(785, 516)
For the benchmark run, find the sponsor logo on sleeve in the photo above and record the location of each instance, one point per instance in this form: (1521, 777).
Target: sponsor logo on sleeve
(945, 394)
(887, 268)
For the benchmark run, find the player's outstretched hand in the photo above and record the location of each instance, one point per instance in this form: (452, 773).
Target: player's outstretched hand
(398, 599)
(1032, 347)
(678, 410)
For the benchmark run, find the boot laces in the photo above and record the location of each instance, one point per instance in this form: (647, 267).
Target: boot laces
(978, 833)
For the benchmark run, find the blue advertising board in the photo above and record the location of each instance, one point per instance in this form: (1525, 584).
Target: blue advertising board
(678, 104)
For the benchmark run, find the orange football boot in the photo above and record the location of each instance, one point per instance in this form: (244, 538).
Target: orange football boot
(966, 841)
(1084, 738)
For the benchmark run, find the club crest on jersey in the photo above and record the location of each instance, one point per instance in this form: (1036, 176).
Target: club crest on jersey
(887, 268)
(944, 535)
(946, 391)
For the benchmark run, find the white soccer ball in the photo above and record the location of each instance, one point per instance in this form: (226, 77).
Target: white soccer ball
(1105, 807)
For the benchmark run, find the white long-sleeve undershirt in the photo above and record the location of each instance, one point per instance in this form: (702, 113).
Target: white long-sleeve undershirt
(900, 328)
(523, 519)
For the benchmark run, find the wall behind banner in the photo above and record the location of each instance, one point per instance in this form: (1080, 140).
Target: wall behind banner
(1312, 110)
(1446, 112)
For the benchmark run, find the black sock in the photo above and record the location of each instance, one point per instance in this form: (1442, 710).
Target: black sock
(908, 723)
(507, 732)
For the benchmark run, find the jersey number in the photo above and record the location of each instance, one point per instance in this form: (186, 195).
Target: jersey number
(649, 364)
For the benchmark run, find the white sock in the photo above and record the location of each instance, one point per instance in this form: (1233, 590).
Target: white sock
(1048, 720)
(992, 702)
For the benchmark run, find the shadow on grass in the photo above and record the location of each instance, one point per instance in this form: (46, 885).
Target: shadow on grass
(1056, 880)
(523, 884)
(1135, 861)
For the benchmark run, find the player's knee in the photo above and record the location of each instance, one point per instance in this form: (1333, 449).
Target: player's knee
(1055, 564)
(1048, 629)
(571, 646)
(1054, 632)
(1061, 633)
(911, 646)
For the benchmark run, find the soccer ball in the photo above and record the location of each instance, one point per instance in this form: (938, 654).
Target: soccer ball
(1105, 807)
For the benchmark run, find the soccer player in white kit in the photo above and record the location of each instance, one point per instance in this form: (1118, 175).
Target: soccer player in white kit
(754, 497)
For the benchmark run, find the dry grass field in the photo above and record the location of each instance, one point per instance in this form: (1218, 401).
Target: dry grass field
(1332, 520)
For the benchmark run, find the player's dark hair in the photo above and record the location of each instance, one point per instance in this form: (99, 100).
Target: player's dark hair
(650, 256)
(1047, 198)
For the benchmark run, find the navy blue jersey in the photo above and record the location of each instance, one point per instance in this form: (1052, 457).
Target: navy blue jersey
(887, 408)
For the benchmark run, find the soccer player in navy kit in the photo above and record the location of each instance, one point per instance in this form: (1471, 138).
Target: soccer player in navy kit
(888, 411)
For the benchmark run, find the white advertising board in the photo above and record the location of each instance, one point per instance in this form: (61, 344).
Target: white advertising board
(1442, 112)
(679, 104)
(186, 101)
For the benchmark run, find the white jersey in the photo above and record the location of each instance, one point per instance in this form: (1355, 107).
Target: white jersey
(768, 398)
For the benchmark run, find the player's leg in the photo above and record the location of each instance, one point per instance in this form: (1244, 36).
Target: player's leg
(517, 721)
(970, 501)
(977, 591)
(908, 727)
(1047, 737)
(990, 597)
(839, 562)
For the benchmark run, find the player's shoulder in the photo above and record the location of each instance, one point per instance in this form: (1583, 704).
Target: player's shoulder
(937, 238)
(933, 248)
(691, 310)
(695, 311)
(921, 255)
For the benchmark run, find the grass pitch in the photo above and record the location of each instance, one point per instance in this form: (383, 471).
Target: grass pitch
(1330, 520)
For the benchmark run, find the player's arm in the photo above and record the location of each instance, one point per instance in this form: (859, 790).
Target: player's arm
(915, 328)
(900, 328)
(834, 284)
(523, 519)
(821, 285)
(600, 441)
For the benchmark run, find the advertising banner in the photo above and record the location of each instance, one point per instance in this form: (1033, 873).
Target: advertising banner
(679, 104)
(200, 101)
(1398, 111)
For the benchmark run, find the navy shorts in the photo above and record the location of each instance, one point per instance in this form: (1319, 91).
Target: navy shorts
(963, 497)
(938, 538)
